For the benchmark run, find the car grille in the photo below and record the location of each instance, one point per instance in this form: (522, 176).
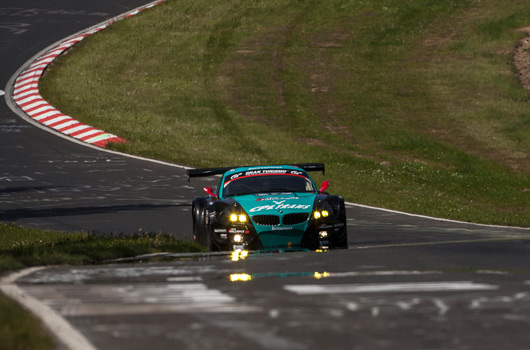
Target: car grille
(266, 220)
(294, 219)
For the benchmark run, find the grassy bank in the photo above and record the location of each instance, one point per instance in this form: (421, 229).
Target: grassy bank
(19, 330)
(21, 247)
(413, 105)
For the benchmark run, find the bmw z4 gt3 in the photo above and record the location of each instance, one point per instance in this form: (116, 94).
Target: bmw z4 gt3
(268, 207)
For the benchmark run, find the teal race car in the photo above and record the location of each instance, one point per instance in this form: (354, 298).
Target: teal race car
(268, 207)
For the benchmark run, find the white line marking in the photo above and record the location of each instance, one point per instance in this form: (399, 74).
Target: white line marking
(405, 306)
(184, 279)
(442, 307)
(352, 306)
(66, 334)
(375, 273)
(312, 289)
(431, 217)
(180, 297)
(375, 312)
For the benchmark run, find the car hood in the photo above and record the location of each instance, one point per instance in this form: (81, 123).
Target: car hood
(274, 203)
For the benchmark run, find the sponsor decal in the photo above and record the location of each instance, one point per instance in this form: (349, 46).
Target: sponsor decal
(282, 228)
(263, 172)
(235, 230)
(274, 199)
(279, 207)
(219, 230)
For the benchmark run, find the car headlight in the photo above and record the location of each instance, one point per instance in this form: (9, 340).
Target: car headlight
(242, 218)
(320, 214)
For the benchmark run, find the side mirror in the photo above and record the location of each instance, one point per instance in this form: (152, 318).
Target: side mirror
(210, 192)
(324, 186)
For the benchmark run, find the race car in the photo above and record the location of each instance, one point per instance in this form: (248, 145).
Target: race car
(268, 207)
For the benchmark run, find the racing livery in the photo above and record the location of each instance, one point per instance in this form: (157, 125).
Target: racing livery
(268, 207)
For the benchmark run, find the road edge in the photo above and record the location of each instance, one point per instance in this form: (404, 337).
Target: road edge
(23, 96)
(11, 103)
(58, 326)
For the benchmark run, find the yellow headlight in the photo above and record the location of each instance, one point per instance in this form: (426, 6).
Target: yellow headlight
(242, 218)
(233, 217)
(316, 215)
(325, 213)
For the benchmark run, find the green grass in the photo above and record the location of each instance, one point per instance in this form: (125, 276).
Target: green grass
(413, 105)
(22, 247)
(20, 331)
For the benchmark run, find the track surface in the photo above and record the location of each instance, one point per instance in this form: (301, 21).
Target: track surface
(50, 183)
(405, 282)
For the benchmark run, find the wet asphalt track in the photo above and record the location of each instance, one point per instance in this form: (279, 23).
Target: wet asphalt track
(405, 282)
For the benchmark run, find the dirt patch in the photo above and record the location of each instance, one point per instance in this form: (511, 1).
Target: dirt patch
(521, 59)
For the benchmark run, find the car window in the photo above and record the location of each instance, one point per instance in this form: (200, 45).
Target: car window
(217, 188)
(267, 184)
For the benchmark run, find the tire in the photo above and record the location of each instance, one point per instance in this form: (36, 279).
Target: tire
(198, 212)
(340, 238)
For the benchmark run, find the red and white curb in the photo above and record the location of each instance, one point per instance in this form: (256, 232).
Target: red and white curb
(27, 97)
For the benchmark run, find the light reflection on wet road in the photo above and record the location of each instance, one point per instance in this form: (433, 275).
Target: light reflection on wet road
(431, 295)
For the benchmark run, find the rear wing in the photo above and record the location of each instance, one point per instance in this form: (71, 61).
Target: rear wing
(204, 172)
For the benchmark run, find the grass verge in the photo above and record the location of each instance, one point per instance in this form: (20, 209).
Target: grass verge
(413, 105)
(22, 247)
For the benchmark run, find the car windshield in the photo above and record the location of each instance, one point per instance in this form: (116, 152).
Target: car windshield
(267, 184)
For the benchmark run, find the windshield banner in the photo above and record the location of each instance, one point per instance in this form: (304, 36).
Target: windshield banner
(264, 172)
